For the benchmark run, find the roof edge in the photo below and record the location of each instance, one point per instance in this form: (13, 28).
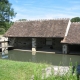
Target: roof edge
(44, 19)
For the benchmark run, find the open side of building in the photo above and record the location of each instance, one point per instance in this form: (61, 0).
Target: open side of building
(36, 35)
(57, 35)
(72, 40)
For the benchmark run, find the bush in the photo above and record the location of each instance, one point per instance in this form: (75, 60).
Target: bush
(2, 30)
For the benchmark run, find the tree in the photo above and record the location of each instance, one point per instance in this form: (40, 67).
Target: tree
(6, 13)
(22, 20)
(75, 19)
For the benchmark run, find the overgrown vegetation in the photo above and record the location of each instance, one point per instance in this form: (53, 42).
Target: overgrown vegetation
(13, 70)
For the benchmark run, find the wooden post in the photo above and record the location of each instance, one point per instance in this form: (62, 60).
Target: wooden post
(33, 44)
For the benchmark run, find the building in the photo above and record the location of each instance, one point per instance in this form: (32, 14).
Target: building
(41, 34)
(72, 40)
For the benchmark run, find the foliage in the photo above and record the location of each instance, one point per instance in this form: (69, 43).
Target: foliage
(6, 14)
(8, 24)
(13, 70)
(2, 30)
(22, 20)
(75, 19)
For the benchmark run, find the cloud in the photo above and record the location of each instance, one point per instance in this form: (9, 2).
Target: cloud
(31, 12)
(46, 16)
(52, 15)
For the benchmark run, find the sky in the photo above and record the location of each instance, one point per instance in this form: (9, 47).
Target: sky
(45, 9)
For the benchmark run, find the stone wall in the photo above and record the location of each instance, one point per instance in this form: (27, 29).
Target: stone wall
(26, 43)
(56, 43)
(22, 43)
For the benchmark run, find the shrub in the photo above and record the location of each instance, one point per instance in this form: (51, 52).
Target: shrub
(2, 30)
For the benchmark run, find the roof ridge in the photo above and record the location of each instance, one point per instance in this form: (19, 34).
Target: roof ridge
(21, 21)
(61, 18)
(43, 19)
(75, 22)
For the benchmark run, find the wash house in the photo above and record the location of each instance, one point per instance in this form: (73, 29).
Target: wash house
(39, 34)
(56, 35)
(72, 40)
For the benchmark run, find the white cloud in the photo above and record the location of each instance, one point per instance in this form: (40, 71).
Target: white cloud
(46, 16)
(45, 12)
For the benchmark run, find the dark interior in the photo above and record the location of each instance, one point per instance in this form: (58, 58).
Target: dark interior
(74, 48)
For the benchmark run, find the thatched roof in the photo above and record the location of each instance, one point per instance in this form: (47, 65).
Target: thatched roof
(42, 28)
(73, 36)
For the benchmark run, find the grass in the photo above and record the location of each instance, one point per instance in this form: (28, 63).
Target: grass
(13, 70)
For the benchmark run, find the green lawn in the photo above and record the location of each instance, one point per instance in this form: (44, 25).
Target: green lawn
(13, 70)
